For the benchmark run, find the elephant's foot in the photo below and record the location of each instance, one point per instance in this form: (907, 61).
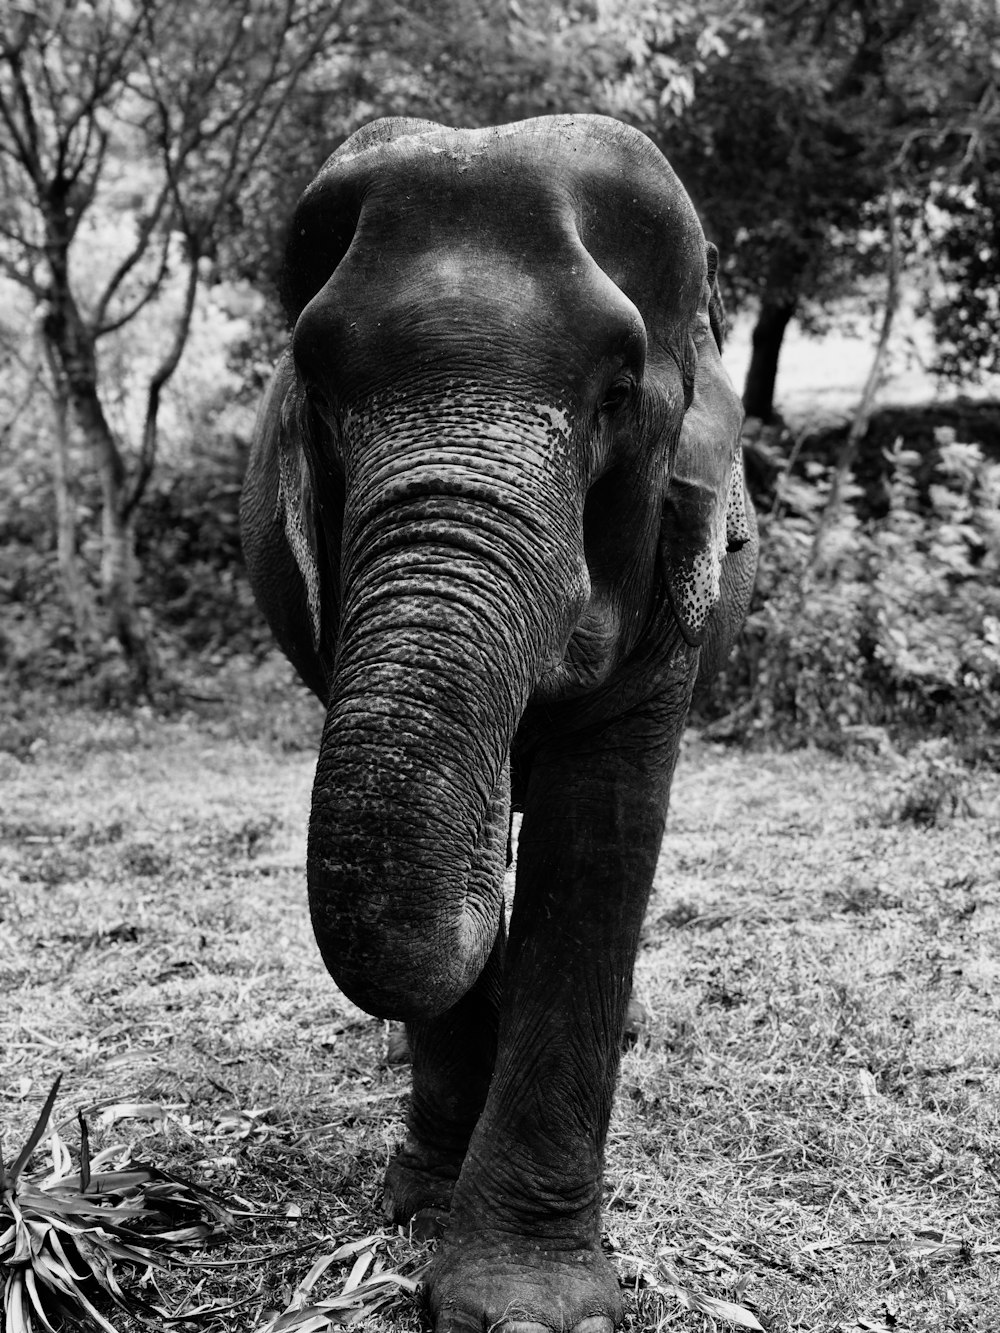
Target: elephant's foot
(418, 1186)
(496, 1284)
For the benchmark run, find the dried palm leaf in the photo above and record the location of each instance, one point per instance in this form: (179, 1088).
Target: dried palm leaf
(61, 1236)
(360, 1296)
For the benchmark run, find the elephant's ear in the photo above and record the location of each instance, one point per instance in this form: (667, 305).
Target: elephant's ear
(296, 499)
(704, 511)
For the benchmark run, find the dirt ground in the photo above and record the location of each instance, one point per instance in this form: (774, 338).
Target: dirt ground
(809, 1128)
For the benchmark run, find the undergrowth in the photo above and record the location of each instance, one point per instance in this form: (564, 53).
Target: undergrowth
(896, 624)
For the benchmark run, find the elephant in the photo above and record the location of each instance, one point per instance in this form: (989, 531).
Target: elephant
(495, 515)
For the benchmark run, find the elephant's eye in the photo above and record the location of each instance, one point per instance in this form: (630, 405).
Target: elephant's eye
(617, 394)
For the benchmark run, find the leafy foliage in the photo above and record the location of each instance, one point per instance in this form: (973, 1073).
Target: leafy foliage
(783, 117)
(900, 624)
(136, 127)
(965, 303)
(899, 627)
(370, 1285)
(65, 1233)
(805, 120)
(189, 544)
(930, 788)
(186, 536)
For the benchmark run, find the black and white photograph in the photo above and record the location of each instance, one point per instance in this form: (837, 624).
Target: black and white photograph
(499, 666)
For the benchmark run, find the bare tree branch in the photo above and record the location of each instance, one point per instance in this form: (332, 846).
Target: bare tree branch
(152, 289)
(105, 78)
(166, 368)
(204, 90)
(19, 238)
(22, 154)
(28, 140)
(7, 427)
(191, 135)
(146, 228)
(23, 277)
(241, 165)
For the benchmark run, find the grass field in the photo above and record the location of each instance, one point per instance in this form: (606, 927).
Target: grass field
(809, 1129)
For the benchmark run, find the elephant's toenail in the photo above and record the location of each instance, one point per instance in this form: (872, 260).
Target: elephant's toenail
(595, 1323)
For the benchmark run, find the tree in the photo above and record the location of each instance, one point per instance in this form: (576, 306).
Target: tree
(963, 247)
(780, 162)
(952, 157)
(800, 130)
(468, 63)
(473, 63)
(155, 111)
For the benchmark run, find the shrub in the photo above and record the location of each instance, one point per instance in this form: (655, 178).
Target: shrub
(188, 543)
(896, 627)
(897, 624)
(930, 787)
(197, 600)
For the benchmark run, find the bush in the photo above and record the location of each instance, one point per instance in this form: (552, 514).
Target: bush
(188, 544)
(199, 607)
(930, 787)
(896, 625)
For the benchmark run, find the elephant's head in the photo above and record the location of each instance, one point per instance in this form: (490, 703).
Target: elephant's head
(506, 379)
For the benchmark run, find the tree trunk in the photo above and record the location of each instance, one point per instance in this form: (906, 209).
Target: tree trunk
(74, 586)
(768, 334)
(118, 592)
(69, 343)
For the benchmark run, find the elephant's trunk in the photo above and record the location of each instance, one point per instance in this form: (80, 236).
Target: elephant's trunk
(461, 584)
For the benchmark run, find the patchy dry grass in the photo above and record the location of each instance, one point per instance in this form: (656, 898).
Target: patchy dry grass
(810, 1127)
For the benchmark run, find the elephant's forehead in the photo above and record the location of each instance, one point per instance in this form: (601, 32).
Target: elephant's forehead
(532, 189)
(592, 162)
(563, 142)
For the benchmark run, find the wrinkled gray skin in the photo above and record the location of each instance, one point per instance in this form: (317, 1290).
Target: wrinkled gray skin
(495, 516)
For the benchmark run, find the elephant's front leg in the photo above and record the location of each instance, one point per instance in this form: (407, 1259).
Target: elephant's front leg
(453, 1056)
(523, 1252)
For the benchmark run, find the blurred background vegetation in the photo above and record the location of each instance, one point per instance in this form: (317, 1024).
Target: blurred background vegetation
(844, 155)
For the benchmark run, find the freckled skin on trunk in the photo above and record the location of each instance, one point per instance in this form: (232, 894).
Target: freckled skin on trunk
(458, 519)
